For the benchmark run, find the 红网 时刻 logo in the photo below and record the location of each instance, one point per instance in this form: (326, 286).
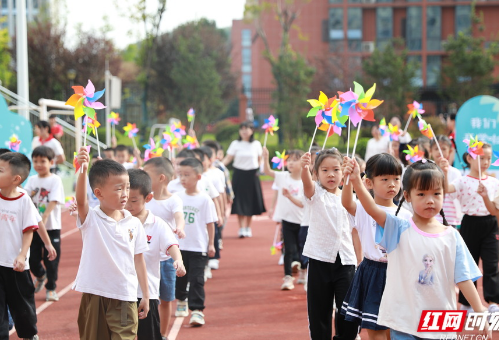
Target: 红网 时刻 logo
(456, 321)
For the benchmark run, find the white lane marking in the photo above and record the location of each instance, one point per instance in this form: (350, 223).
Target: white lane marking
(177, 324)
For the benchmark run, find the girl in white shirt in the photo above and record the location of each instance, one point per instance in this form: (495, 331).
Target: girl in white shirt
(329, 246)
(361, 304)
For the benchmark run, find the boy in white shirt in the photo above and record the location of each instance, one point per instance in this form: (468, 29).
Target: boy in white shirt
(17, 223)
(199, 215)
(122, 156)
(47, 192)
(112, 262)
(161, 241)
(168, 207)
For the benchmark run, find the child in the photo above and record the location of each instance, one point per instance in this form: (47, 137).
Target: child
(218, 155)
(122, 156)
(199, 215)
(452, 208)
(290, 209)
(361, 304)
(110, 153)
(161, 241)
(479, 225)
(329, 246)
(407, 242)
(16, 233)
(112, 261)
(47, 192)
(168, 207)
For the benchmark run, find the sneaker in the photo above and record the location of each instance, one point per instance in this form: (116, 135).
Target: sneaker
(52, 295)
(468, 309)
(38, 283)
(220, 244)
(302, 278)
(305, 286)
(242, 232)
(214, 264)
(493, 308)
(288, 283)
(207, 273)
(358, 337)
(197, 318)
(281, 260)
(295, 266)
(247, 232)
(35, 337)
(181, 309)
(164, 338)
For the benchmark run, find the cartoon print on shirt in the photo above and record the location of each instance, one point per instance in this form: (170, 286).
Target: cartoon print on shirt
(426, 276)
(384, 258)
(44, 194)
(130, 233)
(149, 239)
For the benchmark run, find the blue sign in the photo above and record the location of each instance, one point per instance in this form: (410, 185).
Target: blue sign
(479, 116)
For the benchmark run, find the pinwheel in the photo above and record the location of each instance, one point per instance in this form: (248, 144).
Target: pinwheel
(496, 154)
(415, 110)
(270, 125)
(279, 160)
(14, 143)
(425, 129)
(131, 130)
(382, 127)
(77, 165)
(335, 127)
(475, 150)
(169, 142)
(189, 142)
(84, 100)
(91, 125)
(152, 150)
(114, 119)
(69, 201)
(191, 116)
(394, 132)
(276, 245)
(322, 109)
(413, 154)
(177, 129)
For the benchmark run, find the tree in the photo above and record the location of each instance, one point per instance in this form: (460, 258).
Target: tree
(292, 73)
(5, 71)
(393, 76)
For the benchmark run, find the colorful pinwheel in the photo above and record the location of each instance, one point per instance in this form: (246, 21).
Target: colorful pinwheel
(359, 105)
(131, 130)
(177, 129)
(382, 126)
(189, 142)
(474, 147)
(319, 107)
(279, 160)
(394, 132)
(425, 129)
(413, 154)
(271, 125)
(90, 125)
(152, 150)
(496, 154)
(14, 143)
(84, 100)
(114, 118)
(191, 114)
(415, 109)
(275, 247)
(69, 201)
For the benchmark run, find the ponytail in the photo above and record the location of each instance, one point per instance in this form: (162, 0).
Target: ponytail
(400, 205)
(444, 220)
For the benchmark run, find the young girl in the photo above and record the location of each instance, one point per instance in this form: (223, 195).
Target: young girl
(289, 209)
(479, 226)
(361, 304)
(329, 247)
(452, 208)
(407, 242)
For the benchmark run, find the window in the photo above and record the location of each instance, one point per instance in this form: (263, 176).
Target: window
(336, 24)
(463, 18)
(335, 1)
(384, 26)
(246, 37)
(354, 1)
(433, 28)
(433, 64)
(413, 28)
(246, 62)
(246, 80)
(354, 32)
(418, 78)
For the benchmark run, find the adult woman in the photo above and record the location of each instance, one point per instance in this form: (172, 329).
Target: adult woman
(246, 154)
(376, 145)
(44, 137)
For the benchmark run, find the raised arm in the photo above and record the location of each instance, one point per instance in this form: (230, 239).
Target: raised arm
(81, 185)
(266, 166)
(444, 165)
(352, 169)
(347, 193)
(306, 177)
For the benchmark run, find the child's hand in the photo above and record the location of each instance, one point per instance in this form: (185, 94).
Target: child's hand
(83, 158)
(136, 153)
(306, 160)
(482, 190)
(352, 169)
(271, 212)
(220, 220)
(180, 233)
(73, 209)
(179, 267)
(345, 162)
(52, 254)
(19, 263)
(265, 153)
(211, 250)
(285, 193)
(444, 165)
(143, 308)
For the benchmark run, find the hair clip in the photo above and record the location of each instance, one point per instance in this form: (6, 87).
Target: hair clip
(317, 152)
(423, 160)
(333, 148)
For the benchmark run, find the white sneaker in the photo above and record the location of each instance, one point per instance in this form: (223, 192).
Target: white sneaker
(281, 260)
(493, 308)
(295, 266)
(214, 264)
(247, 232)
(181, 309)
(288, 283)
(302, 278)
(305, 286)
(358, 337)
(52, 296)
(207, 273)
(197, 318)
(242, 232)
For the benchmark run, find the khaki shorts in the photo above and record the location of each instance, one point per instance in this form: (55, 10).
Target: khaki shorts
(107, 319)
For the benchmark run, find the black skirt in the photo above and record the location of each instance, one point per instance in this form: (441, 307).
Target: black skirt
(248, 199)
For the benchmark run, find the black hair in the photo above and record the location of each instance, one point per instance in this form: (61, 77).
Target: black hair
(295, 153)
(212, 145)
(383, 164)
(43, 151)
(322, 155)
(162, 165)
(441, 139)
(423, 175)
(111, 149)
(466, 154)
(43, 124)
(186, 153)
(207, 151)
(140, 180)
(4, 150)
(194, 163)
(315, 149)
(198, 153)
(19, 164)
(52, 116)
(102, 170)
(249, 125)
(121, 147)
(413, 143)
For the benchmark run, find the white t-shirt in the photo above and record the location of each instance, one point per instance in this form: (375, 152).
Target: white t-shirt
(451, 206)
(52, 143)
(17, 215)
(366, 226)
(471, 202)
(159, 239)
(199, 210)
(93, 201)
(375, 147)
(330, 231)
(217, 177)
(285, 209)
(38, 216)
(423, 270)
(128, 165)
(43, 191)
(107, 266)
(166, 209)
(245, 154)
(204, 185)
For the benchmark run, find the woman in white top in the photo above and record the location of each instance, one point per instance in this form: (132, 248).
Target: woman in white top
(246, 155)
(44, 137)
(377, 144)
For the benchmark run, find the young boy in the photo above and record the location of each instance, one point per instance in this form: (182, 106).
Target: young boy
(168, 207)
(200, 215)
(47, 192)
(17, 223)
(161, 241)
(110, 153)
(122, 156)
(112, 261)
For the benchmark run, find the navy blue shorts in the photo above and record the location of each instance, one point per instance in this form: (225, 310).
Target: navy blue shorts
(167, 282)
(361, 304)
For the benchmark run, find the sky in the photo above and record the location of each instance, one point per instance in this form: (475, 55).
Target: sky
(177, 12)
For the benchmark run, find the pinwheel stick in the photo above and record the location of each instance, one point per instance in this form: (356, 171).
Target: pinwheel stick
(134, 143)
(354, 147)
(327, 135)
(408, 123)
(277, 227)
(84, 143)
(192, 123)
(436, 141)
(348, 137)
(479, 170)
(98, 144)
(265, 140)
(312, 142)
